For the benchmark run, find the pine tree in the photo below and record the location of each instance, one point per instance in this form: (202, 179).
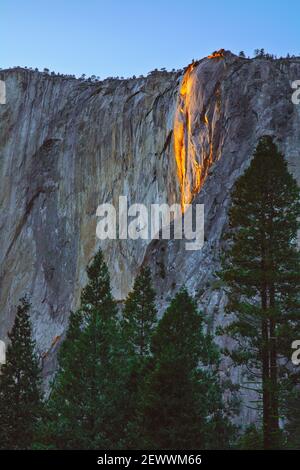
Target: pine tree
(251, 439)
(85, 405)
(139, 321)
(293, 419)
(20, 392)
(261, 272)
(140, 314)
(181, 401)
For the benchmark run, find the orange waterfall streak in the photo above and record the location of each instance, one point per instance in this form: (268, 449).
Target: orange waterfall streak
(181, 122)
(194, 154)
(194, 131)
(179, 145)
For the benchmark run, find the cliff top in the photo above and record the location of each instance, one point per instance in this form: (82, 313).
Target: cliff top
(216, 55)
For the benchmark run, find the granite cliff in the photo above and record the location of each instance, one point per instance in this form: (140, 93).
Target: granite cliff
(68, 145)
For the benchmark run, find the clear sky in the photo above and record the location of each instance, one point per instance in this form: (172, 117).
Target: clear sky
(126, 37)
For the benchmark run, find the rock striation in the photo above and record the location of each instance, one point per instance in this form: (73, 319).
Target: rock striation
(68, 145)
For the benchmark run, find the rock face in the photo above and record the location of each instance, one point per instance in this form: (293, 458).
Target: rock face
(67, 146)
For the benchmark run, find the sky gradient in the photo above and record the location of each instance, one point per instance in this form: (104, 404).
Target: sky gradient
(122, 38)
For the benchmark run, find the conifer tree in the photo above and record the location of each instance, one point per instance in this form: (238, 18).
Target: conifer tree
(139, 316)
(261, 271)
(292, 415)
(20, 392)
(139, 321)
(181, 403)
(85, 405)
(251, 439)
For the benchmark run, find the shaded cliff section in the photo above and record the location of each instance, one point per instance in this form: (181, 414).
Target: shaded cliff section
(67, 146)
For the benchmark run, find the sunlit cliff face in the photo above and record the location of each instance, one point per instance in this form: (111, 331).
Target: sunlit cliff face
(194, 124)
(217, 54)
(181, 137)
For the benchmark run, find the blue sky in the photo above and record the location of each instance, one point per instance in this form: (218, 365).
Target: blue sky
(115, 37)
